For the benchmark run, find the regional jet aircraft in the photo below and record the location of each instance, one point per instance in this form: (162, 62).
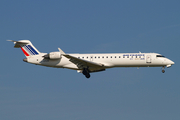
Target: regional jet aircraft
(88, 63)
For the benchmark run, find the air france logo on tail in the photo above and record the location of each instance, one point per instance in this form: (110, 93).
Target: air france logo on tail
(28, 50)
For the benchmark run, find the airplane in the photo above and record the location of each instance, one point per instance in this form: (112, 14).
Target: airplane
(89, 63)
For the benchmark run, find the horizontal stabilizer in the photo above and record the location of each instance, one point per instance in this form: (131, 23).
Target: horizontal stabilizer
(18, 43)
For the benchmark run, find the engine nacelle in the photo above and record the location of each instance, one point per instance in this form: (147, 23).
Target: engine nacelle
(53, 55)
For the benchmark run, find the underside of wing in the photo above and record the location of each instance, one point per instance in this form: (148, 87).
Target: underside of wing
(81, 63)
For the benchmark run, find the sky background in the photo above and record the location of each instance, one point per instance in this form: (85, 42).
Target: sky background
(30, 92)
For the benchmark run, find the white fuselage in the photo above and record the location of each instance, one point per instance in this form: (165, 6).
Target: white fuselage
(88, 63)
(107, 60)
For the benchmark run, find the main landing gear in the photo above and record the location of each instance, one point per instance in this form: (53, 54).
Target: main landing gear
(163, 71)
(86, 72)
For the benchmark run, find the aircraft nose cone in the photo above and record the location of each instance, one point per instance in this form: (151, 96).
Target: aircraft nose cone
(171, 62)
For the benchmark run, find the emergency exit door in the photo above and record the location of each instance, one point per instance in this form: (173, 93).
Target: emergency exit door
(91, 58)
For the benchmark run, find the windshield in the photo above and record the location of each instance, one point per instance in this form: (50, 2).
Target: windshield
(160, 56)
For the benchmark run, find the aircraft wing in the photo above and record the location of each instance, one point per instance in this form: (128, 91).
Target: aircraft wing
(81, 63)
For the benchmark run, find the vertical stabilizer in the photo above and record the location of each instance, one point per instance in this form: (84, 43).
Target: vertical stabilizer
(26, 46)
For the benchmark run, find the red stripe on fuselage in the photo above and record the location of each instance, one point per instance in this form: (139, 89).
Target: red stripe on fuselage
(24, 51)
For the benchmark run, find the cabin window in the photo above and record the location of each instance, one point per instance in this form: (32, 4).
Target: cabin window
(87, 57)
(119, 56)
(115, 57)
(95, 57)
(127, 56)
(106, 56)
(102, 56)
(111, 56)
(98, 57)
(123, 56)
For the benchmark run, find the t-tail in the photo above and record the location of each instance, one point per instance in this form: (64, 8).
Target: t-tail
(26, 46)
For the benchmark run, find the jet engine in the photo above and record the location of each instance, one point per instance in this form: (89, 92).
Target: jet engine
(53, 55)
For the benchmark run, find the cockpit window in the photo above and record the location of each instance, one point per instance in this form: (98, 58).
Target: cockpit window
(160, 56)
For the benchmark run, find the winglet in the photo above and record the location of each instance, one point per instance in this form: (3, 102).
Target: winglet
(62, 52)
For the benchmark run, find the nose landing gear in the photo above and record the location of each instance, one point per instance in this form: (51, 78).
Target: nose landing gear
(163, 71)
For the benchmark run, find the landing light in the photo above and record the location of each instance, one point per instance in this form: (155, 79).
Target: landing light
(168, 66)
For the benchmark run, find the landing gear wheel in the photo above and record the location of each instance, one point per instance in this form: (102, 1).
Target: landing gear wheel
(88, 75)
(163, 71)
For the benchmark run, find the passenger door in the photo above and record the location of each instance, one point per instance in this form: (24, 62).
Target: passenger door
(148, 59)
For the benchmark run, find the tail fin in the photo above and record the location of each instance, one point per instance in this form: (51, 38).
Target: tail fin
(26, 46)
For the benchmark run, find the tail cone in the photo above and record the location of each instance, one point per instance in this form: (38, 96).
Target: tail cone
(25, 59)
